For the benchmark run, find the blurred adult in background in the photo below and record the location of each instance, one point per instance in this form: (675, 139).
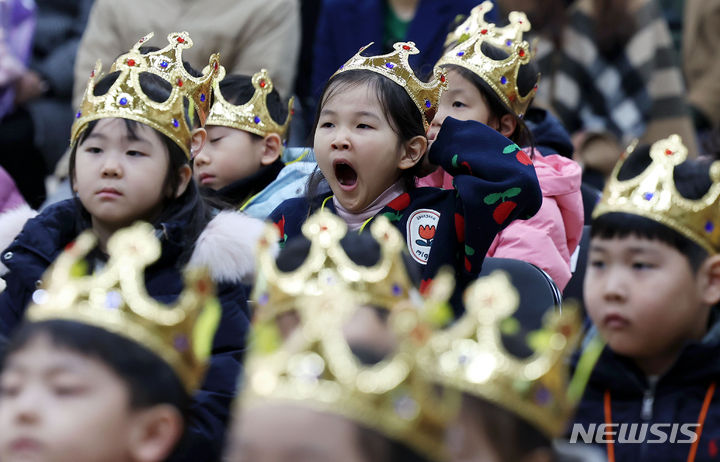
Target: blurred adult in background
(346, 25)
(249, 34)
(35, 126)
(610, 73)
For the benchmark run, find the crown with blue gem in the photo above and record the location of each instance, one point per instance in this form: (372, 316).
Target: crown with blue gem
(316, 368)
(396, 67)
(470, 356)
(652, 194)
(328, 266)
(125, 98)
(253, 116)
(501, 75)
(115, 299)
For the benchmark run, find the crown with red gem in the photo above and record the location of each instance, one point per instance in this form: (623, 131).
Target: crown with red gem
(396, 67)
(327, 266)
(115, 299)
(316, 368)
(126, 99)
(652, 194)
(500, 75)
(470, 356)
(252, 116)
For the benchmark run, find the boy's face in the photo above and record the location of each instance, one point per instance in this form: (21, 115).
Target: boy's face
(288, 433)
(644, 297)
(57, 405)
(228, 155)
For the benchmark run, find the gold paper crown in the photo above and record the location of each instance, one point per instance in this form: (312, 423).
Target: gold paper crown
(327, 266)
(470, 356)
(125, 98)
(115, 299)
(396, 67)
(500, 75)
(252, 116)
(316, 368)
(652, 194)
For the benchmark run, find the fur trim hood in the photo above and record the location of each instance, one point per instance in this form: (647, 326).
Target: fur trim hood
(227, 246)
(11, 223)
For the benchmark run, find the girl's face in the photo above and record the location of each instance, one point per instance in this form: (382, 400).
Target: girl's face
(120, 178)
(287, 433)
(462, 101)
(356, 148)
(229, 155)
(58, 405)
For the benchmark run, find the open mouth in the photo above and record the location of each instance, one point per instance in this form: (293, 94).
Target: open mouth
(345, 174)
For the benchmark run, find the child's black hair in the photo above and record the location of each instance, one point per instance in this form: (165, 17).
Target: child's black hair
(512, 437)
(238, 89)
(190, 203)
(526, 81)
(692, 181)
(399, 110)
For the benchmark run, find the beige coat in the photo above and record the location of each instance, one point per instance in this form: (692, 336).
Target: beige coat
(249, 34)
(701, 62)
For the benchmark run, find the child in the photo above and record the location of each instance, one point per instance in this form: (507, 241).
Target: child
(369, 143)
(131, 143)
(514, 380)
(314, 396)
(84, 383)
(241, 163)
(492, 79)
(651, 289)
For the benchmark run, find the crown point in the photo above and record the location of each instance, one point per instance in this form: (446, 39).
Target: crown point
(442, 78)
(484, 31)
(503, 80)
(669, 152)
(428, 104)
(113, 300)
(123, 101)
(131, 62)
(262, 84)
(163, 64)
(508, 42)
(521, 52)
(215, 65)
(389, 65)
(709, 227)
(175, 123)
(396, 290)
(648, 195)
(256, 120)
(180, 40)
(180, 342)
(460, 53)
(406, 47)
(202, 97)
(77, 116)
(92, 73)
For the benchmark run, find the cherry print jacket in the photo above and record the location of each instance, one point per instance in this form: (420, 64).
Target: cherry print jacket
(495, 183)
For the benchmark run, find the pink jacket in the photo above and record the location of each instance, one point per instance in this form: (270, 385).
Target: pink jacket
(549, 238)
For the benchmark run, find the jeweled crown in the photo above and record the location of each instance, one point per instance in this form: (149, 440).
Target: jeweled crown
(253, 116)
(652, 194)
(115, 299)
(328, 266)
(470, 356)
(126, 99)
(316, 368)
(396, 67)
(500, 75)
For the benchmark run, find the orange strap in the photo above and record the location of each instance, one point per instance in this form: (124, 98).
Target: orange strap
(701, 421)
(608, 421)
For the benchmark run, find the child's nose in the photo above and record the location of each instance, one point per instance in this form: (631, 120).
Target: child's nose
(341, 140)
(614, 286)
(201, 158)
(111, 168)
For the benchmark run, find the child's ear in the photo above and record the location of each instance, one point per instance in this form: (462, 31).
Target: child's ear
(154, 433)
(272, 148)
(507, 125)
(185, 173)
(197, 141)
(413, 152)
(709, 278)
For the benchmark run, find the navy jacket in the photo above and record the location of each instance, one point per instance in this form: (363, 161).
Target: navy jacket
(495, 183)
(346, 25)
(677, 397)
(41, 241)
